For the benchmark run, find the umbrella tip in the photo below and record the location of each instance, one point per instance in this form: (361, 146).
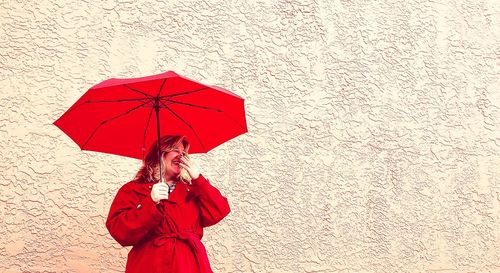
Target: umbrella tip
(171, 73)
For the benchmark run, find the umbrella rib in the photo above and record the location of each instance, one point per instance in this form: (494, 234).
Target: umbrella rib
(185, 122)
(99, 101)
(161, 87)
(145, 132)
(184, 93)
(192, 105)
(138, 91)
(234, 121)
(204, 107)
(113, 118)
(118, 100)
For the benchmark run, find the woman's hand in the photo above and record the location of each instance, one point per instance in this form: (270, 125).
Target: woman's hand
(159, 192)
(190, 167)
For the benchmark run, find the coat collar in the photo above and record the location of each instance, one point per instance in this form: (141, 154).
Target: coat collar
(179, 194)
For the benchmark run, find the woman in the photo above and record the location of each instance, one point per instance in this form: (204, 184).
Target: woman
(164, 221)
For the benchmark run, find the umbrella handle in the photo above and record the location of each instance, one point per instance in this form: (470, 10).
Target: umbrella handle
(160, 154)
(161, 166)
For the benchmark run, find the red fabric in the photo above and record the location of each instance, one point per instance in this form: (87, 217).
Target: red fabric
(117, 116)
(166, 237)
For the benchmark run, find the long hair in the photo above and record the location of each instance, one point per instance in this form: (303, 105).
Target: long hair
(150, 170)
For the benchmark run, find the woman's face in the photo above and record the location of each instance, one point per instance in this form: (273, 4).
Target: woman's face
(171, 162)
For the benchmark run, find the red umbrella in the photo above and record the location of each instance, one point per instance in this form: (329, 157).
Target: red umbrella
(125, 116)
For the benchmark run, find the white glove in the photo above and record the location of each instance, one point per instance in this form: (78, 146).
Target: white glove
(159, 192)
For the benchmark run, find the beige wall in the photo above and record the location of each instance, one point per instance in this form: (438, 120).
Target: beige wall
(373, 144)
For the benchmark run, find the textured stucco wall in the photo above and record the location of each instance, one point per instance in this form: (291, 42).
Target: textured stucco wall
(374, 141)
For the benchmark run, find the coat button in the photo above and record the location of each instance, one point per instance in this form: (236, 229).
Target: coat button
(139, 206)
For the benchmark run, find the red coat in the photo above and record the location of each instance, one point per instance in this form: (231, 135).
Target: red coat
(166, 237)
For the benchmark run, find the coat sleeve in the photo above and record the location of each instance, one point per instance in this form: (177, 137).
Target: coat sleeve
(130, 218)
(213, 206)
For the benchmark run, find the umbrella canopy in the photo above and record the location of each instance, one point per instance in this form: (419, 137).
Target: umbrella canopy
(125, 116)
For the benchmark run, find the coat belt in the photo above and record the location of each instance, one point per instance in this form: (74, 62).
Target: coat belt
(193, 241)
